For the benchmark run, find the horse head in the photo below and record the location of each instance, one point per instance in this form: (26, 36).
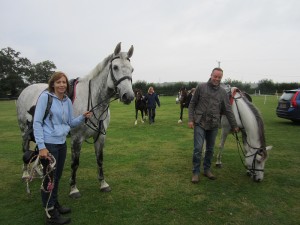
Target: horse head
(255, 163)
(138, 94)
(251, 124)
(120, 77)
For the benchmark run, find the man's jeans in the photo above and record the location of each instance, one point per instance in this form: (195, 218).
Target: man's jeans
(199, 136)
(59, 152)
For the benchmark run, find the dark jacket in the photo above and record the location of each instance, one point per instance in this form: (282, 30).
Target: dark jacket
(152, 99)
(207, 105)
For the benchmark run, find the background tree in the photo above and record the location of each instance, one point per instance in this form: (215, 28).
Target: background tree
(266, 86)
(41, 72)
(13, 72)
(17, 72)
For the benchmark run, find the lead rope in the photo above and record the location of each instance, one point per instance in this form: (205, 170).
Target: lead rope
(50, 186)
(99, 128)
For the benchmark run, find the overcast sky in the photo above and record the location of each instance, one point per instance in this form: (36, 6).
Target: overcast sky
(174, 40)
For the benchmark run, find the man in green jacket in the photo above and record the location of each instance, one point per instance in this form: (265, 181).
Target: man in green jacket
(206, 106)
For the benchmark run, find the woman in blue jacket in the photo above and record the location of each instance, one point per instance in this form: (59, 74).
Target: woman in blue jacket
(151, 99)
(50, 136)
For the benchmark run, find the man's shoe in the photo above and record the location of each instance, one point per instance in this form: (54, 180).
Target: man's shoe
(195, 179)
(55, 218)
(209, 175)
(61, 209)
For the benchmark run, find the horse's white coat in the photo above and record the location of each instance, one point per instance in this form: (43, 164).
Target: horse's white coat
(246, 120)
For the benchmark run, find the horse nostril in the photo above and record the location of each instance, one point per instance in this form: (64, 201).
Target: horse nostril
(127, 98)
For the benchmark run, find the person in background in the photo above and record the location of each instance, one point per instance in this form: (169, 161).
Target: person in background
(50, 135)
(205, 108)
(151, 99)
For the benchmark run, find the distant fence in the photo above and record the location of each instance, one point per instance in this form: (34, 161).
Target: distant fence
(8, 98)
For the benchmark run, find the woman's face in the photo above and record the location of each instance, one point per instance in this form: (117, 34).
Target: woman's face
(60, 86)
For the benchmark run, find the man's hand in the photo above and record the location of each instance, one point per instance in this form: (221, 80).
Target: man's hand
(191, 125)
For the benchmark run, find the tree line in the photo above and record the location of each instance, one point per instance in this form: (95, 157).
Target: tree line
(18, 72)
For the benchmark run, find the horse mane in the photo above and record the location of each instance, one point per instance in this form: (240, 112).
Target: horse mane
(98, 68)
(259, 120)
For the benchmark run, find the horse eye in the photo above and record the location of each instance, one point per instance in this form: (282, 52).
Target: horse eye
(132, 70)
(115, 67)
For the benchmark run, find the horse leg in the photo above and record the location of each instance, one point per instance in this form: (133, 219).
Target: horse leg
(136, 115)
(99, 145)
(224, 133)
(75, 149)
(25, 144)
(181, 113)
(142, 113)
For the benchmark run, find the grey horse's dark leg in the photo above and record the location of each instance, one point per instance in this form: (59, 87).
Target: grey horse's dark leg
(75, 150)
(99, 145)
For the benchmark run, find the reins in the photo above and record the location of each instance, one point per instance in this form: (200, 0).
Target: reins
(35, 161)
(240, 148)
(99, 127)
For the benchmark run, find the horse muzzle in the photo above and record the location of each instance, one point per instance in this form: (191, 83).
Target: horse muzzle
(127, 98)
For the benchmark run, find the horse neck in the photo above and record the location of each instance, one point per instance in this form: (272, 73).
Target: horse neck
(96, 82)
(248, 121)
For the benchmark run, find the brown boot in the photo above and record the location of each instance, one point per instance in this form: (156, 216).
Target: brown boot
(195, 178)
(209, 175)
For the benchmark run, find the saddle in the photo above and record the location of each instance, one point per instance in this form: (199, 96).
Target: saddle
(72, 88)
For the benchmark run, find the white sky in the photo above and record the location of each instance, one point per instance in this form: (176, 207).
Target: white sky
(174, 40)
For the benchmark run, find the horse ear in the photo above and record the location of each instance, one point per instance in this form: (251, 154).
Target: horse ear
(130, 52)
(117, 49)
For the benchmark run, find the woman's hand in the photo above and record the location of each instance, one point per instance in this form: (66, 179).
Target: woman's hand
(87, 114)
(43, 153)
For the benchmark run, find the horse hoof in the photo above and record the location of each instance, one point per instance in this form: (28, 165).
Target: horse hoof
(105, 189)
(218, 165)
(135, 123)
(75, 195)
(179, 121)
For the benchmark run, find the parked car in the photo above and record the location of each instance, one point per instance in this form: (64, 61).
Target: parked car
(289, 105)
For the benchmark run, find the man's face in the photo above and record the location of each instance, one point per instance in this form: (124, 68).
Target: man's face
(216, 77)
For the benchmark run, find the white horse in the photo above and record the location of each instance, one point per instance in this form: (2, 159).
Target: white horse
(111, 77)
(253, 137)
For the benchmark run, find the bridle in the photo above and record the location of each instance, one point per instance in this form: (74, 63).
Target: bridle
(258, 151)
(98, 127)
(115, 81)
(35, 169)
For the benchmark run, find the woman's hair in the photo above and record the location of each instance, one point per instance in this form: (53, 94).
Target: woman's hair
(150, 88)
(56, 76)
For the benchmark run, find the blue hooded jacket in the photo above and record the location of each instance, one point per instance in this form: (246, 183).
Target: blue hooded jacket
(56, 126)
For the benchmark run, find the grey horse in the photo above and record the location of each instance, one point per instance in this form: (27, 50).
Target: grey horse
(110, 79)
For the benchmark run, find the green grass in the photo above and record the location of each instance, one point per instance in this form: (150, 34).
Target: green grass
(149, 171)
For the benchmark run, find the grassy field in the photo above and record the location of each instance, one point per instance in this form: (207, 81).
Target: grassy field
(149, 170)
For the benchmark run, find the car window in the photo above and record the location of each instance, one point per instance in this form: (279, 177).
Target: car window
(287, 96)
